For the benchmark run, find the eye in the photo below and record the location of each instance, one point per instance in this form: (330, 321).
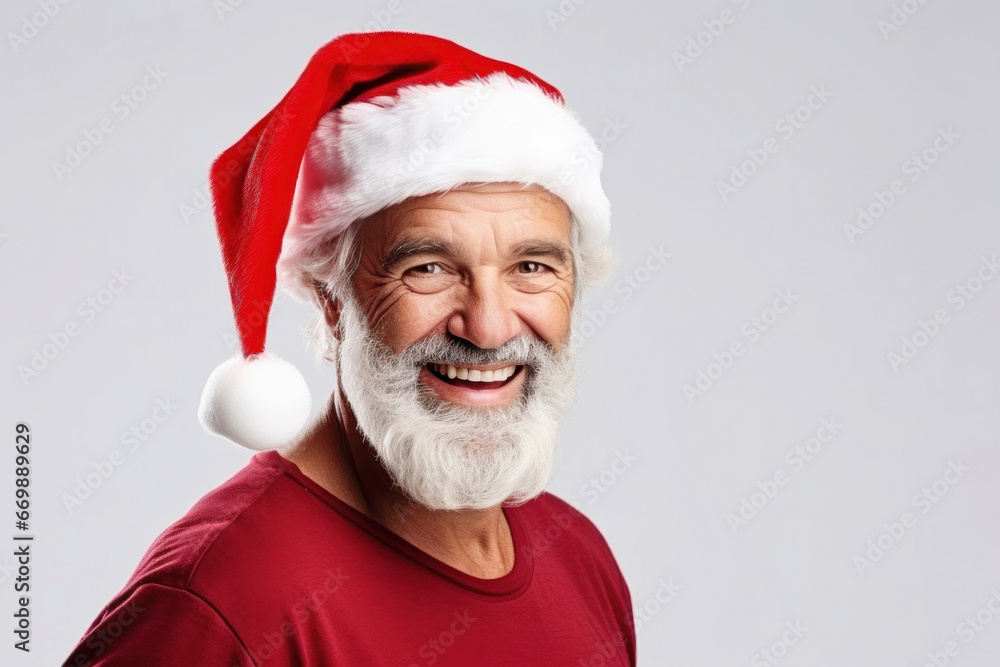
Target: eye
(533, 267)
(529, 276)
(429, 277)
(428, 269)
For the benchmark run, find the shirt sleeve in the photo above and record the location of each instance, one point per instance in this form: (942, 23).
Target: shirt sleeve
(628, 622)
(160, 626)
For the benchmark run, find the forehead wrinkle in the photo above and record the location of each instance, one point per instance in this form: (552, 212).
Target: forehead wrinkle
(444, 216)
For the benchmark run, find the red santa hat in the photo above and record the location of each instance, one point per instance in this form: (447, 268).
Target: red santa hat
(374, 119)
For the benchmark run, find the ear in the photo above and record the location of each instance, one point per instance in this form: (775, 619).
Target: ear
(331, 308)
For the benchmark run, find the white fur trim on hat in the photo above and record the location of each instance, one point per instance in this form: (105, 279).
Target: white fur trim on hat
(370, 155)
(261, 403)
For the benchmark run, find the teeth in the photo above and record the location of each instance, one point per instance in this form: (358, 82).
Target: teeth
(474, 375)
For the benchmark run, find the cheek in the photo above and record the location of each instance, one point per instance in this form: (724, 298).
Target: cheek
(547, 314)
(411, 318)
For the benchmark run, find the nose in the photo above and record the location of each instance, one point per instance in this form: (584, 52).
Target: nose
(485, 315)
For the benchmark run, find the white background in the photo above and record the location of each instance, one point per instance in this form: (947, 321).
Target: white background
(694, 461)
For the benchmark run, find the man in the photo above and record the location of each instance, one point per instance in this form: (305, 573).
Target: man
(444, 212)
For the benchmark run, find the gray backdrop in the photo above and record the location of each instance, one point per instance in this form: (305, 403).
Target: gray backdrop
(788, 419)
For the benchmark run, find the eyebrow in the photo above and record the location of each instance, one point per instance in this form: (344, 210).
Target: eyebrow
(404, 250)
(411, 247)
(555, 250)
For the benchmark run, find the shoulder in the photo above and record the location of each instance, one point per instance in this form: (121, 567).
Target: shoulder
(563, 539)
(158, 606)
(558, 531)
(550, 508)
(183, 628)
(565, 543)
(175, 555)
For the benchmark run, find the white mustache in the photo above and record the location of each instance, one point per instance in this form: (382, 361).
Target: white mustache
(519, 351)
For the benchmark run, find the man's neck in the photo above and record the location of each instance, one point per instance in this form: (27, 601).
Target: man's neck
(335, 455)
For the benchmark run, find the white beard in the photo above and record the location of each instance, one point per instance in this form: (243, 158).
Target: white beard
(446, 456)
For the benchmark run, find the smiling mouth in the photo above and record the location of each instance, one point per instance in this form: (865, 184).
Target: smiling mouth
(473, 378)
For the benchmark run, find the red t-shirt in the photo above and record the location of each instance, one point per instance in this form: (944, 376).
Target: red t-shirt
(272, 569)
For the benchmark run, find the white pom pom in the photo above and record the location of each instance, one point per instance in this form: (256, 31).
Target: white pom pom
(260, 403)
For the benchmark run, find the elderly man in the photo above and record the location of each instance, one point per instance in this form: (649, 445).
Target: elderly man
(444, 212)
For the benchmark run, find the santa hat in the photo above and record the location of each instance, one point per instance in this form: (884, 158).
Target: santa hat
(374, 119)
